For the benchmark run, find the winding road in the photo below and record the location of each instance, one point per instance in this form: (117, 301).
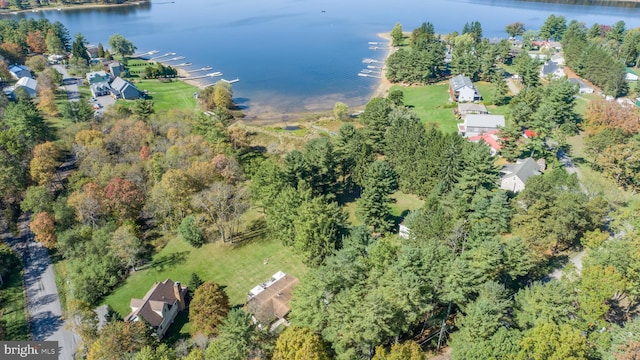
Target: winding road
(46, 320)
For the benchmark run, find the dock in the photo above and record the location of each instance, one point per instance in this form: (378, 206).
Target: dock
(163, 55)
(173, 59)
(370, 61)
(213, 74)
(231, 81)
(206, 68)
(148, 53)
(369, 75)
(183, 64)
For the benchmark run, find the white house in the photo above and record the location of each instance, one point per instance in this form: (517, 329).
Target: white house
(461, 89)
(552, 69)
(514, 176)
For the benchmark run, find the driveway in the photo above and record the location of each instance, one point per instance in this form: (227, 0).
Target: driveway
(46, 320)
(70, 83)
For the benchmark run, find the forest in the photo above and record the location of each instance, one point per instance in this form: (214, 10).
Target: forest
(478, 272)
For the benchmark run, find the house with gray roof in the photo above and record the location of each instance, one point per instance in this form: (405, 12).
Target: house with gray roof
(583, 87)
(551, 69)
(461, 89)
(514, 176)
(123, 89)
(28, 84)
(159, 306)
(465, 109)
(20, 71)
(477, 124)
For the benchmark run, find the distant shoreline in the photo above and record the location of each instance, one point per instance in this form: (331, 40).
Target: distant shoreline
(71, 7)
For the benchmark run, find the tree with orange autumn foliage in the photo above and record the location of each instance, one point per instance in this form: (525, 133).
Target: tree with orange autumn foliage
(36, 42)
(44, 229)
(602, 114)
(12, 52)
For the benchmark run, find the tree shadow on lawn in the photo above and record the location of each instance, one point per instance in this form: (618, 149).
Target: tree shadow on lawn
(169, 260)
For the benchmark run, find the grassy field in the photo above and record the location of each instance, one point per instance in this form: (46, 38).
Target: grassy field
(12, 307)
(431, 104)
(169, 95)
(237, 267)
(594, 181)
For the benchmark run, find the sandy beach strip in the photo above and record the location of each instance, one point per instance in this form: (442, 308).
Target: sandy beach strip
(384, 84)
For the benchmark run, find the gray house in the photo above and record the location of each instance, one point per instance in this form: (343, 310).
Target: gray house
(514, 176)
(29, 84)
(20, 71)
(123, 89)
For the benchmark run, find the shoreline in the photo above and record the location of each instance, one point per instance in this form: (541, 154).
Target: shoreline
(72, 7)
(265, 115)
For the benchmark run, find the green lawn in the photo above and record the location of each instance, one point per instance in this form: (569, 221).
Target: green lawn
(169, 95)
(405, 203)
(401, 205)
(12, 306)
(431, 104)
(237, 267)
(594, 181)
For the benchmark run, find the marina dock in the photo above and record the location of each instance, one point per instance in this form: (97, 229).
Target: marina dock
(206, 68)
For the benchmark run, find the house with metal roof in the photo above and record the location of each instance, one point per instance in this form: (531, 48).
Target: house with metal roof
(552, 69)
(20, 71)
(461, 89)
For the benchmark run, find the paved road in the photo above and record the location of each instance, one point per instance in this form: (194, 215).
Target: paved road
(45, 311)
(70, 83)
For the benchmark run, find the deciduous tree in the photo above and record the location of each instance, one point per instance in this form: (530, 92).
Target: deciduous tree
(120, 339)
(209, 307)
(44, 229)
(120, 45)
(301, 343)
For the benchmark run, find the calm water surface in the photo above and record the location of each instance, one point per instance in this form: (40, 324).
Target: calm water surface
(293, 55)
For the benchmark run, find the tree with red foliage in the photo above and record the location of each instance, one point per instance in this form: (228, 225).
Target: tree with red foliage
(44, 229)
(123, 198)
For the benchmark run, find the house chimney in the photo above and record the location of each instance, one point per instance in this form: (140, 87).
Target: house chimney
(177, 290)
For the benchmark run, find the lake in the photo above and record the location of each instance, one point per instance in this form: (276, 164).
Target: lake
(302, 55)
